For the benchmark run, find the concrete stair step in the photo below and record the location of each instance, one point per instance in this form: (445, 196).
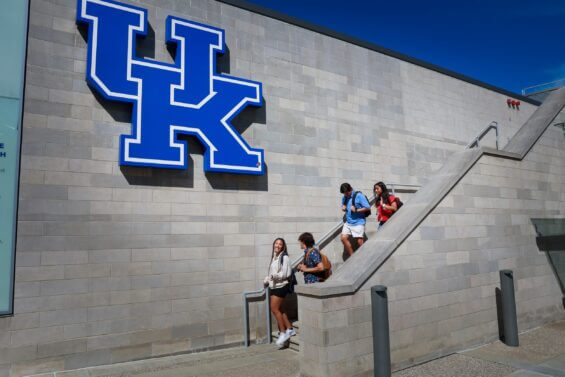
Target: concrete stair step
(294, 342)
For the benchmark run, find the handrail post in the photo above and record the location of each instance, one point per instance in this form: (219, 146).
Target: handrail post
(245, 321)
(476, 140)
(268, 315)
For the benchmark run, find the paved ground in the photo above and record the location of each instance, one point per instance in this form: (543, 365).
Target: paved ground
(541, 354)
(256, 361)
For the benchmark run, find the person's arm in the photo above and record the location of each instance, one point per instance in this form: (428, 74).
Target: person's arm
(268, 277)
(363, 209)
(391, 207)
(363, 203)
(316, 258)
(283, 274)
(311, 270)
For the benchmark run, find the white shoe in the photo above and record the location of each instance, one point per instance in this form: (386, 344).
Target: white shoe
(290, 332)
(283, 337)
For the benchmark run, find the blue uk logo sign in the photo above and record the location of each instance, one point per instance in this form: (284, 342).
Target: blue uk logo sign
(187, 97)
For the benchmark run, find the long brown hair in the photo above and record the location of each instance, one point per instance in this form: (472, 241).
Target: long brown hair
(284, 251)
(384, 194)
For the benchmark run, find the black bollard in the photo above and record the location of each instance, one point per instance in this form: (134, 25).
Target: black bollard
(510, 323)
(381, 341)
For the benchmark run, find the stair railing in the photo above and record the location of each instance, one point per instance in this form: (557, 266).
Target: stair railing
(475, 142)
(322, 242)
(397, 186)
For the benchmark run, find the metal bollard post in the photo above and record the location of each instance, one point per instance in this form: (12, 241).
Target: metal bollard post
(268, 309)
(381, 341)
(509, 320)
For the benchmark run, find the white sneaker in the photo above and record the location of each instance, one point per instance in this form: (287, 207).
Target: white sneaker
(290, 332)
(283, 337)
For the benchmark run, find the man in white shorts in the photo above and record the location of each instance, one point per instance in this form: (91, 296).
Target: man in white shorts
(355, 213)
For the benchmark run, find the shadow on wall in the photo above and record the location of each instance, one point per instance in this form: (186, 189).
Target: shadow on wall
(551, 240)
(121, 112)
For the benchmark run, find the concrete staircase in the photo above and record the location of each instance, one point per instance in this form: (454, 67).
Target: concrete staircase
(374, 253)
(294, 342)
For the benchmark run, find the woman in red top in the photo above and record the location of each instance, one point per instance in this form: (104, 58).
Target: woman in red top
(385, 203)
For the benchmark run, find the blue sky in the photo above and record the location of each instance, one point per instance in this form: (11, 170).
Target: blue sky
(510, 44)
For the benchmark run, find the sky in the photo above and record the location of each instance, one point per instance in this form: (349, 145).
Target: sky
(511, 44)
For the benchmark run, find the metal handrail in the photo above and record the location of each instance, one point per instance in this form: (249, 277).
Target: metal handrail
(260, 292)
(475, 141)
(545, 86)
(322, 242)
(392, 186)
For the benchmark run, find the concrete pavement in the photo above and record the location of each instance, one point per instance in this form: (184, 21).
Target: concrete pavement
(256, 361)
(541, 354)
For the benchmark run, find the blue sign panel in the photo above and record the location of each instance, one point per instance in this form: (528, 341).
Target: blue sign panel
(187, 97)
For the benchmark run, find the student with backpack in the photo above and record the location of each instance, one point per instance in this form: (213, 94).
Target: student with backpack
(279, 279)
(386, 203)
(316, 267)
(356, 207)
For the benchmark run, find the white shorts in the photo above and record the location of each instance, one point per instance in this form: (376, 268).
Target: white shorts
(356, 231)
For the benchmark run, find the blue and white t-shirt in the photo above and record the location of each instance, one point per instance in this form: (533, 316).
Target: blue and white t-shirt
(355, 218)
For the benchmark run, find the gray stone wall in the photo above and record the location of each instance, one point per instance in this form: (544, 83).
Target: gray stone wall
(118, 263)
(442, 279)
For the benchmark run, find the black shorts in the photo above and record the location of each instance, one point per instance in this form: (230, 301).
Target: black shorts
(280, 292)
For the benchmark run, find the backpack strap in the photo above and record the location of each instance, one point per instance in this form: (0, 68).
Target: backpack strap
(353, 197)
(308, 254)
(388, 199)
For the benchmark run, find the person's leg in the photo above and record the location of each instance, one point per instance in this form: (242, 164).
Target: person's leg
(358, 233)
(286, 322)
(289, 329)
(345, 232)
(276, 310)
(346, 243)
(285, 319)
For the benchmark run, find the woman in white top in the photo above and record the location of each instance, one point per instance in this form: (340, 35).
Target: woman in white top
(280, 271)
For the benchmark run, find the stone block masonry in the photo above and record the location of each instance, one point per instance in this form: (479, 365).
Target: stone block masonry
(118, 263)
